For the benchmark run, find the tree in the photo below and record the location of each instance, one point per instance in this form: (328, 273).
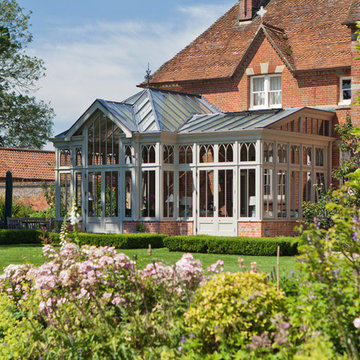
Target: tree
(24, 121)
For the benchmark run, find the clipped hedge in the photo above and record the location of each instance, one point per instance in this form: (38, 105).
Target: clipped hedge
(120, 241)
(9, 237)
(233, 245)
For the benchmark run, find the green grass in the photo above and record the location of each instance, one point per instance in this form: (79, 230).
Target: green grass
(19, 254)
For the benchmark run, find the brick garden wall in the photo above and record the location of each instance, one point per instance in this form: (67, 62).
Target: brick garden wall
(171, 228)
(28, 192)
(267, 228)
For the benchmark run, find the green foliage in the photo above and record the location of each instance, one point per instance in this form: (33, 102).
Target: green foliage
(24, 121)
(233, 307)
(233, 245)
(8, 237)
(119, 241)
(8, 195)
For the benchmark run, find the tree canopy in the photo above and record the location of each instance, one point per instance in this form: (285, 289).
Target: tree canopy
(24, 120)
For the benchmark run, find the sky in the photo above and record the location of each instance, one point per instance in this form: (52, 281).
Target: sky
(101, 49)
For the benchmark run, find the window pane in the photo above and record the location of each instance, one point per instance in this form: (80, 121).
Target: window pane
(225, 192)
(259, 99)
(247, 193)
(295, 194)
(168, 190)
(281, 193)
(94, 194)
(65, 201)
(258, 84)
(185, 193)
(307, 186)
(206, 193)
(148, 194)
(65, 157)
(111, 194)
(206, 153)
(275, 83)
(78, 191)
(128, 197)
(268, 193)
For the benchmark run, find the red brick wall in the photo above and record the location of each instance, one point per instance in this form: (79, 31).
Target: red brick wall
(267, 228)
(171, 228)
(355, 80)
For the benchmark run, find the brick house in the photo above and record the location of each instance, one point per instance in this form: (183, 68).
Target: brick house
(31, 170)
(233, 132)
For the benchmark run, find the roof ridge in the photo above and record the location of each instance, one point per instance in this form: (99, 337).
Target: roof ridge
(25, 149)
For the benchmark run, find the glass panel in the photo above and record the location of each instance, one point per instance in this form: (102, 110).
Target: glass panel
(258, 84)
(148, 194)
(128, 155)
(185, 193)
(268, 193)
(78, 191)
(295, 154)
(148, 154)
(281, 193)
(226, 153)
(275, 83)
(259, 99)
(268, 152)
(247, 193)
(206, 153)
(94, 194)
(65, 201)
(225, 191)
(243, 152)
(78, 161)
(282, 154)
(128, 197)
(206, 193)
(168, 154)
(307, 156)
(319, 157)
(252, 152)
(65, 157)
(168, 190)
(295, 194)
(307, 186)
(321, 185)
(346, 89)
(111, 194)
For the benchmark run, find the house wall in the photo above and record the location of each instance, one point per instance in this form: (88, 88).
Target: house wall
(318, 88)
(171, 228)
(28, 192)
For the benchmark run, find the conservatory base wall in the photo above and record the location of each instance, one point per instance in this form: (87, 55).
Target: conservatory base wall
(267, 228)
(171, 228)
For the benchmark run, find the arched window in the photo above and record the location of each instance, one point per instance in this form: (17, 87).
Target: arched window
(226, 153)
(65, 157)
(282, 153)
(148, 154)
(185, 154)
(247, 152)
(129, 158)
(168, 154)
(268, 152)
(307, 156)
(295, 154)
(319, 161)
(206, 153)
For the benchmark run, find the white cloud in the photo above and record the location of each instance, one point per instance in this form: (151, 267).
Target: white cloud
(107, 60)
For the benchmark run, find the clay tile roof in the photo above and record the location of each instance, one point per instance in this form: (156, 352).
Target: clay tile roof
(353, 14)
(315, 38)
(27, 164)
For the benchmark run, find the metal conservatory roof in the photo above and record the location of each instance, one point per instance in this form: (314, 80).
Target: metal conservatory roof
(154, 110)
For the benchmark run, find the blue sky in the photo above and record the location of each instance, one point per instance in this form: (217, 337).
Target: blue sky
(100, 49)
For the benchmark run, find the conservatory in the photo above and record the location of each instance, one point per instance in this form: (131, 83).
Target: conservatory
(173, 162)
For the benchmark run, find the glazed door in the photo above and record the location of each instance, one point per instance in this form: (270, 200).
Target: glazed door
(102, 215)
(216, 202)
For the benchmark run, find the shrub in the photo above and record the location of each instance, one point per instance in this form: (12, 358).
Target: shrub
(232, 305)
(8, 237)
(233, 245)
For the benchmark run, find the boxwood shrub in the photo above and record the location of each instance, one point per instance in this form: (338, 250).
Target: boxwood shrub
(120, 241)
(233, 245)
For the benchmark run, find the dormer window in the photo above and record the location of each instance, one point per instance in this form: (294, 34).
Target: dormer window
(345, 91)
(265, 91)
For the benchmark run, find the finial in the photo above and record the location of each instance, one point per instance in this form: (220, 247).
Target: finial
(148, 76)
(262, 13)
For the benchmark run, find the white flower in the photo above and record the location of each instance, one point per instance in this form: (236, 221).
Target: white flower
(357, 322)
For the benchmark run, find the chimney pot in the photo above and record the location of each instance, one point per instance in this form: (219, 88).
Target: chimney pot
(248, 9)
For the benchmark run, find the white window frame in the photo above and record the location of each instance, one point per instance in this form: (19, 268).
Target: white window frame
(266, 91)
(341, 91)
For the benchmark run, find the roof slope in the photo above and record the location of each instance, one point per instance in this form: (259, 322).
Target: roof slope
(354, 13)
(313, 30)
(27, 164)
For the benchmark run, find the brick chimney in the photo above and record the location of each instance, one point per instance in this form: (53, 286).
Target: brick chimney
(248, 9)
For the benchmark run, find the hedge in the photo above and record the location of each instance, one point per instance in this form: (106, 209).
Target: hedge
(233, 245)
(120, 241)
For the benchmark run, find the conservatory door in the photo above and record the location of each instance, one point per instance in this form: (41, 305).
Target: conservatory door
(216, 202)
(102, 201)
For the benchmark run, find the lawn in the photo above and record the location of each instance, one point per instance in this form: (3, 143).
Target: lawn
(18, 254)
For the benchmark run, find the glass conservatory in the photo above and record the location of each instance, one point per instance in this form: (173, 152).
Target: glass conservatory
(173, 162)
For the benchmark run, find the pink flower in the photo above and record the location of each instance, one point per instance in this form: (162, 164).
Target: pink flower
(357, 322)
(217, 267)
